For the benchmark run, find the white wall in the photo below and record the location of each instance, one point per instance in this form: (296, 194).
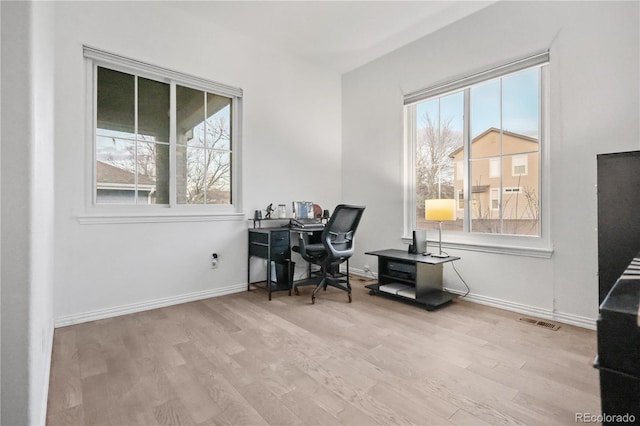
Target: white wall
(594, 48)
(27, 210)
(291, 151)
(42, 211)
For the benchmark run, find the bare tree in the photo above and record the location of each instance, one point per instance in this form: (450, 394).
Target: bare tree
(206, 166)
(436, 142)
(209, 166)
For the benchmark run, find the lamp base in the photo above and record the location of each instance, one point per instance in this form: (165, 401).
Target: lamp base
(441, 256)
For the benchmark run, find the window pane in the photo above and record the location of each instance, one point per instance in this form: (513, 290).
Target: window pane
(195, 175)
(115, 171)
(190, 164)
(520, 106)
(153, 173)
(115, 103)
(520, 207)
(153, 110)
(485, 120)
(218, 122)
(439, 126)
(521, 120)
(189, 116)
(484, 216)
(219, 177)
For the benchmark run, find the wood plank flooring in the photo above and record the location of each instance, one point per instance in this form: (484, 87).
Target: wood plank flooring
(242, 360)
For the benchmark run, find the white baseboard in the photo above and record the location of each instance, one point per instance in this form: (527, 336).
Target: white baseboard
(549, 314)
(564, 318)
(147, 305)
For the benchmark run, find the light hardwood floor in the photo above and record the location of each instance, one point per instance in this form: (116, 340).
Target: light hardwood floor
(243, 360)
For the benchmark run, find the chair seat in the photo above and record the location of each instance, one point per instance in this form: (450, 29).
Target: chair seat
(312, 249)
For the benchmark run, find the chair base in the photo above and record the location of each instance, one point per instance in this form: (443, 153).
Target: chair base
(333, 282)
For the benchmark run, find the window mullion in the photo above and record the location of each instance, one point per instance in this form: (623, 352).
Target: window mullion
(501, 211)
(135, 138)
(206, 150)
(410, 168)
(172, 145)
(466, 140)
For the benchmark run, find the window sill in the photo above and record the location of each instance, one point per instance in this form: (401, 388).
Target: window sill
(512, 250)
(164, 217)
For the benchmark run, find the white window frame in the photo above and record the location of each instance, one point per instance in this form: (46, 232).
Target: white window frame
(520, 245)
(118, 213)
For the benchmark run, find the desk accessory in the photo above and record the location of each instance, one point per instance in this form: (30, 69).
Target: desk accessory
(269, 210)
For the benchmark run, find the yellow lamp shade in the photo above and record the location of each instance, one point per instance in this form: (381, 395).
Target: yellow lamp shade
(440, 210)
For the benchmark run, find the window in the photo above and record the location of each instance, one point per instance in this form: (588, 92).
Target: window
(489, 128)
(460, 198)
(519, 165)
(495, 199)
(494, 168)
(161, 137)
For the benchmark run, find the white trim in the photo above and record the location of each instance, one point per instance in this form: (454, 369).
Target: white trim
(495, 248)
(579, 321)
(95, 58)
(145, 306)
(360, 272)
(409, 148)
(48, 350)
(101, 219)
(584, 322)
(140, 67)
(444, 88)
(544, 253)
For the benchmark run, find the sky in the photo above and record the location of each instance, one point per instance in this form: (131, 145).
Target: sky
(520, 105)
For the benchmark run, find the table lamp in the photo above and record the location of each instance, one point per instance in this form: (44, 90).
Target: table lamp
(440, 210)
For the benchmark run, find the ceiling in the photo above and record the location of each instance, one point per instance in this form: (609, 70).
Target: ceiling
(339, 35)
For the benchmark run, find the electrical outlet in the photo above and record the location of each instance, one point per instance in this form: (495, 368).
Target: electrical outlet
(367, 268)
(214, 260)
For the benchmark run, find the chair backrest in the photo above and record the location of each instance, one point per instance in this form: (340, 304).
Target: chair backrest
(337, 236)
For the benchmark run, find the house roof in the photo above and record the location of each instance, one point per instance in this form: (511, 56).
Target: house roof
(494, 130)
(110, 174)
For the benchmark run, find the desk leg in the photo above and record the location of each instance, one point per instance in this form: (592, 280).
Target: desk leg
(269, 273)
(289, 273)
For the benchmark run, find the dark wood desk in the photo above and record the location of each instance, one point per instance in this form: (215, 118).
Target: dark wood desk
(411, 277)
(274, 245)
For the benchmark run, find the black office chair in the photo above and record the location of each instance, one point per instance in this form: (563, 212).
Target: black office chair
(336, 247)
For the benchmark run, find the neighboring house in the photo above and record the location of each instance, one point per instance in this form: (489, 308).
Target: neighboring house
(117, 186)
(502, 174)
